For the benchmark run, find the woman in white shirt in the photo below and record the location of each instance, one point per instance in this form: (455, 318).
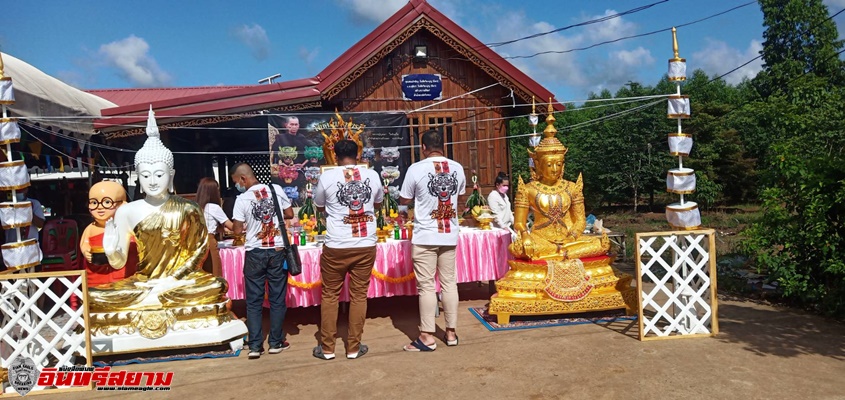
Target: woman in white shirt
(499, 203)
(208, 198)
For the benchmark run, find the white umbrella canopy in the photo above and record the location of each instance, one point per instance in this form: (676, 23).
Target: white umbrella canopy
(41, 98)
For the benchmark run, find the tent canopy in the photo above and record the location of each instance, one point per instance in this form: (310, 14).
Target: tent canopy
(40, 95)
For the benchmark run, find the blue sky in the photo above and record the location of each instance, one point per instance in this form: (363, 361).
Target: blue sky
(119, 44)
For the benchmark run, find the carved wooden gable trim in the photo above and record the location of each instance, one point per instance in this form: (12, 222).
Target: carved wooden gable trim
(440, 33)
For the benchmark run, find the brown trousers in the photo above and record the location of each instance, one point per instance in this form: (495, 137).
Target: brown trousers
(334, 265)
(212, 263)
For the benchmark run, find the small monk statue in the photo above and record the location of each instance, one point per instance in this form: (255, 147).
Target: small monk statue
(172, 244)
(104, 199)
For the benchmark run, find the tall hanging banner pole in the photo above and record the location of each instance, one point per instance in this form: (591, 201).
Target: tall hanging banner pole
(683, 214)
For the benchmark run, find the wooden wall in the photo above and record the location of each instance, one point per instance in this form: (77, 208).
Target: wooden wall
(474, 118)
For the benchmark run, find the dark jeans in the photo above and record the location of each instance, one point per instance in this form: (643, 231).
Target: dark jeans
(260, 266)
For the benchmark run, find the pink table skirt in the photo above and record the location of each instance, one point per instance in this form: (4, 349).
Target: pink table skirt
(480, 256)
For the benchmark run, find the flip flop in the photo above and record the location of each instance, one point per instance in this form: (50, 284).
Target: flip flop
(420, 346)
(450, 342)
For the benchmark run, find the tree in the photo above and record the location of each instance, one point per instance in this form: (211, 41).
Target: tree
(801, 236)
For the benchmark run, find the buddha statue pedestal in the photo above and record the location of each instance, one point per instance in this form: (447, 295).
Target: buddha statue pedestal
(523, 290)
(169, 328)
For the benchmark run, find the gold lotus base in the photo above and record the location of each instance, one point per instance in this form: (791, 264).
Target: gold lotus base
(522, 291)
(153, 324)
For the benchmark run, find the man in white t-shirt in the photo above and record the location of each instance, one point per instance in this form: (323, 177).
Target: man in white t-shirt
(433, 185)
(349, 197)
(264, 262)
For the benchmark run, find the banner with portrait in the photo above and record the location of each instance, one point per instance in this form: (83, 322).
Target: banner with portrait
(301, 143)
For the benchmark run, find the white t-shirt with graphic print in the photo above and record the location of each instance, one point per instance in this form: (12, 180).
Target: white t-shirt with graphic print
(255, 208)
(435, 184)
(349, 194)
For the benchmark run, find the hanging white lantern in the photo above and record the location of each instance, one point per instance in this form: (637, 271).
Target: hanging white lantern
(13, 175)
(678, 107)
(15, 215)
(680, 144)
(7, 93)
(680, 181)
(10, 132)
(677, 70)
(20, 255)
(683, 216)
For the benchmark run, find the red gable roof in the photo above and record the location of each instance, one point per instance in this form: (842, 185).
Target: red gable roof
(125, 97)
(180, 104)
(398, 23)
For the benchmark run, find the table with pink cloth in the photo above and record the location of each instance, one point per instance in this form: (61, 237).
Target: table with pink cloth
(480, 256)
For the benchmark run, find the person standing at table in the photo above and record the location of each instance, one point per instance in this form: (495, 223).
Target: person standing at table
(348, 196)
(264, 260)
(499, 203)
(433, 185)
(208, 198)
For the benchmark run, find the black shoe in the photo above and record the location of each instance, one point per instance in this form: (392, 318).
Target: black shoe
(279, 348)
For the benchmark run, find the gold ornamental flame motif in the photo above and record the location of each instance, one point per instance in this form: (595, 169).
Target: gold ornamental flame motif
(341, 130)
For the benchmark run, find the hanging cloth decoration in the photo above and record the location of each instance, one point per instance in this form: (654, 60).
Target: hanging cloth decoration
(35, 147)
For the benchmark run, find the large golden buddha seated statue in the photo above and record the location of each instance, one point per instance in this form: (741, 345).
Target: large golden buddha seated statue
(557, 269)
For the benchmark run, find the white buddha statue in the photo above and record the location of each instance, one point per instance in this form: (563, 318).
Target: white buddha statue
(172, 243)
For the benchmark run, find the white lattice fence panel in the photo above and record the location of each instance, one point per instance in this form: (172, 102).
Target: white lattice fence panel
(676, 279)
(51, 333)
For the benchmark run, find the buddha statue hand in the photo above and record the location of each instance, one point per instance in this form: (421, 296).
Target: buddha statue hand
(111, 239)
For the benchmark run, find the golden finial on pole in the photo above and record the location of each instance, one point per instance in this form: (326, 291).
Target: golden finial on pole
(675, 45)
(533, 105)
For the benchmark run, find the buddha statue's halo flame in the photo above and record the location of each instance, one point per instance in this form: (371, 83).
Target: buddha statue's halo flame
(154, 149)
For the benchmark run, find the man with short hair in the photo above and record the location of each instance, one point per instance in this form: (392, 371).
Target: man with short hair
(349, 196)
(255, 212)
(433, 185)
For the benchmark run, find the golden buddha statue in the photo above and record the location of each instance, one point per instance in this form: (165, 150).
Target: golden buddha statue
(557, 269)
(169, 291)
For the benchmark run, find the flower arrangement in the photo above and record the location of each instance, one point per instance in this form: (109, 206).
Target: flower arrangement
(476, 202)
(309, 217)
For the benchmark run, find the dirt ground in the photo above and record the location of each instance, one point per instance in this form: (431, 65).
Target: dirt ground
(761, 352)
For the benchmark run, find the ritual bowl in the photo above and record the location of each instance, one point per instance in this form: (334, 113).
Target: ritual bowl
(382, 235)
(484, 221)
(98, 257)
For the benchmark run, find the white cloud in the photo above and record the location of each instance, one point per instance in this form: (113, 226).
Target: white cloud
(372, 11)
(369, 11)
(635, 58)
(574, 69)
(718, 58)
(308, 55)
(254, 37)
(607, 30)
(130, 57)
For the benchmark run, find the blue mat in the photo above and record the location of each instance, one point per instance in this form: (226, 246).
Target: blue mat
(545, 321)
(166, 358)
